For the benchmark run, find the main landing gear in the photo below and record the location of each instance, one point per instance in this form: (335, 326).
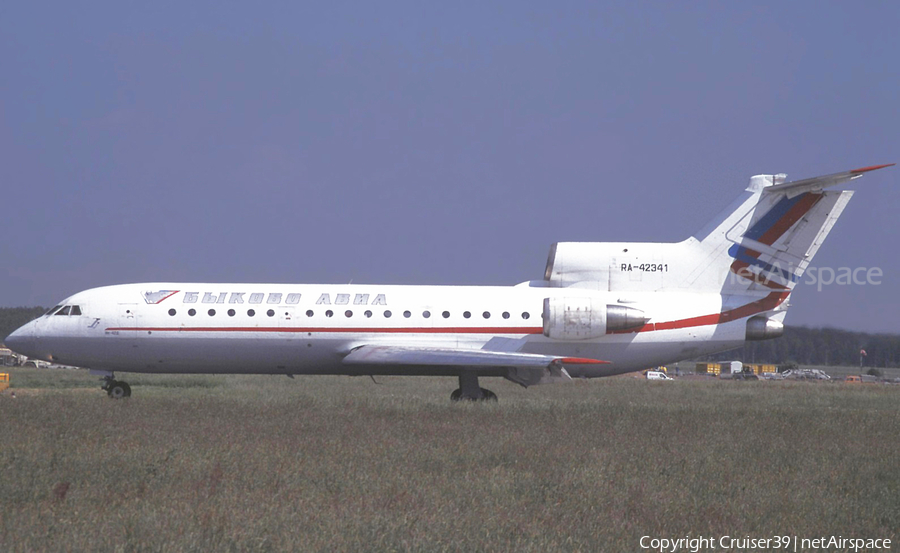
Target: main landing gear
(115, 389)
(469, 389)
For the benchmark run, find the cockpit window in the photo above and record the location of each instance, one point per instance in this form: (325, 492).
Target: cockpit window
(65, 310)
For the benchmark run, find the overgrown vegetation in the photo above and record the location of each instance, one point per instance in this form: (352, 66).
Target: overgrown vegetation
(231, 463)
(12, 318)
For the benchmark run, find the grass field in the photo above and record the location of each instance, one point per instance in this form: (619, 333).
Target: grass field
(225, 463)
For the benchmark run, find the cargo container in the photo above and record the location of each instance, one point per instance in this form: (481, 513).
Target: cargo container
(708, 368)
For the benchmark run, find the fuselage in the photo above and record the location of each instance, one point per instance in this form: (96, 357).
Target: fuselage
(309, 329)
(603, 308)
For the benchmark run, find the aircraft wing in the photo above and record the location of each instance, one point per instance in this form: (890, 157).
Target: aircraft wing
(458, 357)
(818, 183)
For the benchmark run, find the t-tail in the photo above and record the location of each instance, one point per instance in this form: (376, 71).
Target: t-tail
(753, 254)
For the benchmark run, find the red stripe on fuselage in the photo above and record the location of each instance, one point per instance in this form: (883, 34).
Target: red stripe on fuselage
(767, 303)
(320, 330)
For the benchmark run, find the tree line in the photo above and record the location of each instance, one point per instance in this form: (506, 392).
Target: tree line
(12, 318)
(820, 346)
(801, 345)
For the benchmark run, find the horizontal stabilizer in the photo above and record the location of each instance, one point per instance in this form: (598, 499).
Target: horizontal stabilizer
(814, 184)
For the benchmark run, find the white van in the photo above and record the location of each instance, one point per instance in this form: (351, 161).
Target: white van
(658, 375)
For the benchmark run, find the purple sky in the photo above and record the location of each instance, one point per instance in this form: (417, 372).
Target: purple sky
(446, 144)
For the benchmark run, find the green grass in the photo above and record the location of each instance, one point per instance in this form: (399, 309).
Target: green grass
(237, 463)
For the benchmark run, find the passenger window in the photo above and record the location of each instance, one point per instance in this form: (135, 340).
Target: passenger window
(231, 312)
(309, 313)
(407, 314)
(506, 314)
(486, 315)
(525, 315)
(387, 314)
(76, 310)
(270, 312)
(192, 312)
(446, 314)
(368, 314)
(63, 311)
(466, 314)
(172, 312)
(329, 313)
(426, 314)
(348, 313)
(212, 312)
(251, 312)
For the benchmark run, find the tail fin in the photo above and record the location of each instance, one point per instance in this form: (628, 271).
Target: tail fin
(762, 243)
(769, 240)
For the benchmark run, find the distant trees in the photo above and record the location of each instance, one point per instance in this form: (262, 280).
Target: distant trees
(12, 318)
(820, 346)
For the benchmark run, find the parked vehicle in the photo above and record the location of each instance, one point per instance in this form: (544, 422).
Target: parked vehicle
(658, 375)
(806, 374)
(771, 376)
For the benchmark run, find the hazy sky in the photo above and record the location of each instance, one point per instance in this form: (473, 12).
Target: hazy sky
(429, 144)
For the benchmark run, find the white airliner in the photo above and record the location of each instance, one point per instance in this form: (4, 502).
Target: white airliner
(601, 309)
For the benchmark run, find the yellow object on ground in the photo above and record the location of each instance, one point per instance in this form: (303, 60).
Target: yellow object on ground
(4, 381)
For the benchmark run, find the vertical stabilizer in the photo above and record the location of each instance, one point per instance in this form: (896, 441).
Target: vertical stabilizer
(767, 239)
(762, 243)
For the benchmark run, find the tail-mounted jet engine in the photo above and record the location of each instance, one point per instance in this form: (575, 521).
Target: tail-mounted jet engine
(761, 327)
(585, 318)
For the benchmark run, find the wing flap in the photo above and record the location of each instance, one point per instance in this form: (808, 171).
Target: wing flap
(456, 357)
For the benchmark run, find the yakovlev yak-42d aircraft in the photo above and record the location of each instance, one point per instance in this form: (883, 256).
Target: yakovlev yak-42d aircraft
(601, 309)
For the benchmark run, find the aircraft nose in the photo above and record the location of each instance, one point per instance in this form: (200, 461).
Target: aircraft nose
(22, 340)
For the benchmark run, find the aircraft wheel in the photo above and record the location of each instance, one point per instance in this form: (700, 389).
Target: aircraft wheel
(118, 390)
(486, 395)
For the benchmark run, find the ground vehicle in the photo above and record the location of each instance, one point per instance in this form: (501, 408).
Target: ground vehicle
(853, 379)
(771, 376)
(806, 374)
(4, 381)
(658, 375)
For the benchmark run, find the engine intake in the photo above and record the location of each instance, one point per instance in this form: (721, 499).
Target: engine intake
(585, 318)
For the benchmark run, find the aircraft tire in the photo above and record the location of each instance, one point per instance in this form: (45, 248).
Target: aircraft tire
(118, 390)
(486, 395)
